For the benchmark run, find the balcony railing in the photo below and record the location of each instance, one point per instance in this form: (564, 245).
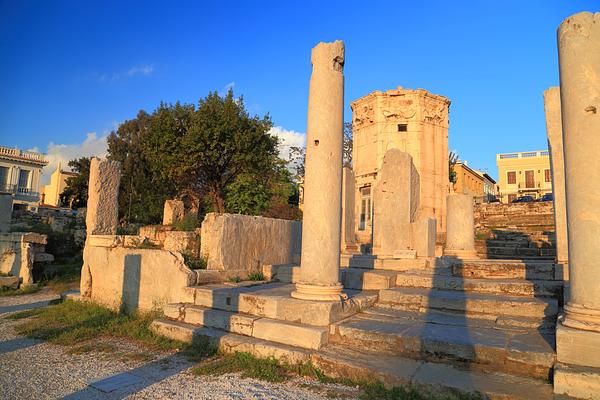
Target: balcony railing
(523, 154)
(21, 193)
(22, 155)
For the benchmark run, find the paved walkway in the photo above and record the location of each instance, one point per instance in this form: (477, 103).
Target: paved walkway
(31, 369)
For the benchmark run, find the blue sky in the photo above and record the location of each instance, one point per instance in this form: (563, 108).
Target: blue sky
(72, 68)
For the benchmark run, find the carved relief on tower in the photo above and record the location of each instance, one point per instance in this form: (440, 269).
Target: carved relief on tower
(398, 109)
(362, 114)
(435, 111)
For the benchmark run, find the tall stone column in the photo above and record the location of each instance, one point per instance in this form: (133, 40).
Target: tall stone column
(348, 223)
(578, 335)
(102, 215)
(557, 163)
(320, 262)
(579, 61)
(460, 227)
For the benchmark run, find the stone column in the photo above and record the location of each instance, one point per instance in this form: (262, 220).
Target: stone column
(557, 164)
(348, 235)
(102, 214)
(102, 217)
(320, 262)
(460, 227)
(174, 211)
(579, 61)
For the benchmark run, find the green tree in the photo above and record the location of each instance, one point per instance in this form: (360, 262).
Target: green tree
(452, 160)
(348, 143)
(206, 149)
(75, 194)
(142, 192)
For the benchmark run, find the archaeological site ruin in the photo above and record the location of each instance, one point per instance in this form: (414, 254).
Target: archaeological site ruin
(390, 274)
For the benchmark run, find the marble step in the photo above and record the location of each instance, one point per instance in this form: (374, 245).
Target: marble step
(365, 279)
(303, 336)
(503, 269)
(511, 287)
(438, 378)
(343, 363)
(468, 303)
(455, 340)
(273, 300)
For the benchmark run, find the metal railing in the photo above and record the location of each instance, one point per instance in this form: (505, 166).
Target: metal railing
(21, 193)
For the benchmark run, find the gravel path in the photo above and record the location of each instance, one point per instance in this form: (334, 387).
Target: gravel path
(31, 369)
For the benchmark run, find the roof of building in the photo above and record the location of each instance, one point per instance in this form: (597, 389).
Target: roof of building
(13, 154)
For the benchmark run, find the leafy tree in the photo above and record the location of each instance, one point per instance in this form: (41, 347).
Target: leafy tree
(75, 194)
(452, 160)
(348, 143)
(207, 149)
(142, 193)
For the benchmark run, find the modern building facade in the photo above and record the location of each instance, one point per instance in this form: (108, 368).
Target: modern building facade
(468, 181)
(20, 174)
(414, 121)
(523, 173)
(58, 182)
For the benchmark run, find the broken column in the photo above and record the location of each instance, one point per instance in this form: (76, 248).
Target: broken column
(173, 212)
(557, 164)
(460, 227)
(395, 205)
(102, 215)
(320, 262)
(348, 235)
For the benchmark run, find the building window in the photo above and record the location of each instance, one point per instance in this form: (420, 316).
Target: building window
(547, 176)
(511, 177)
(3, 178)
(23, 179)
(365, 208)
(402, 127)
(529, 179)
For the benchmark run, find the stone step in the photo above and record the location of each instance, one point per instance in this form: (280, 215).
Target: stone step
(515, 257)
(304, 336)
(468, 303)
(343, 363)
(364, 279)
(511, 287)
(274, 301)
(511, 251)
(525, 352)
(440, 379)
(505, 269)
(387, 264)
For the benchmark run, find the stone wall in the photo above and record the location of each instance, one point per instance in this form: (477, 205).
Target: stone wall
(515, 231)
(123, 275)
(246, 243)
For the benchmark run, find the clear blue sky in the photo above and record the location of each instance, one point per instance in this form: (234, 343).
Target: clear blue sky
(72, 67)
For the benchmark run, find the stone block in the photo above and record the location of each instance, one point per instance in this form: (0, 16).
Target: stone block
(102, 216)
(577, 382)
(395, 203)
(306, 337)
(11, 282)
(174, 211)
(183, 242)
(577, 347)
(243, 242)
(424, 236)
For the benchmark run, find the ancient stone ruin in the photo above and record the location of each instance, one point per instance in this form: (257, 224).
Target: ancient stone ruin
(457, 322)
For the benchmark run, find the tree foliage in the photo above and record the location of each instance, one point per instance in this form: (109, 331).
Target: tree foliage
(75, 194)
(452, 160)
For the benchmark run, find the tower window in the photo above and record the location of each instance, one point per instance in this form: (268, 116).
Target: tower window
(402, 127)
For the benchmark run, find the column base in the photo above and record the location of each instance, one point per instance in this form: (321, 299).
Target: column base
(577, 347)
(462, 254)
(579, 317)
(306, 291)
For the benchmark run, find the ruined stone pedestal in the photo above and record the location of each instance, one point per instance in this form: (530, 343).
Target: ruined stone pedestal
(460, 230)
(173, 212)
(349, 245)
(319, 272)
(578, 339)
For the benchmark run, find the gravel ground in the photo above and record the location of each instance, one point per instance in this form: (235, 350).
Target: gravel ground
(31, 369)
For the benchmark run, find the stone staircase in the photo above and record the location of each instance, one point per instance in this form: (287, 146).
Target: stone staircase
(447, 324)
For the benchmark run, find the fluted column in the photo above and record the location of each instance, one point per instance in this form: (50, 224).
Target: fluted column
(320, 263)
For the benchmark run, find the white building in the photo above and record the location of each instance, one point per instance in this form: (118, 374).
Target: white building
(20, 175)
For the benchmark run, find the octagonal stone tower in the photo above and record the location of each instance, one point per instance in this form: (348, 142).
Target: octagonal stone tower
(320, 263)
